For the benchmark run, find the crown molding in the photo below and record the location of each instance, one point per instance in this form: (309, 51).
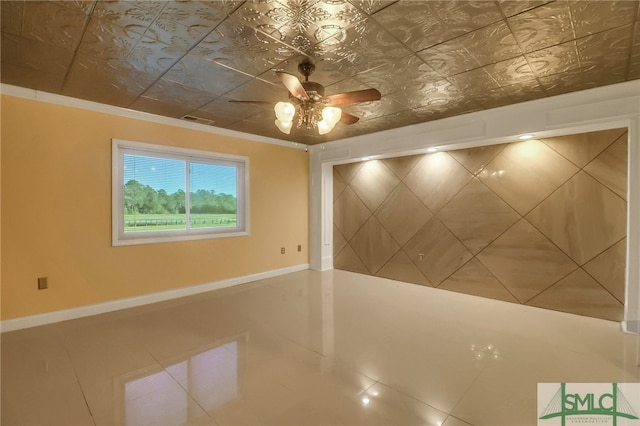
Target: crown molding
(52, 98)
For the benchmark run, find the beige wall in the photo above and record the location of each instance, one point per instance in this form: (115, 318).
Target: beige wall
(541, 222)
(56, 211)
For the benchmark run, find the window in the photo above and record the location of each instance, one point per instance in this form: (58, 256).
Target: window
(171, 194)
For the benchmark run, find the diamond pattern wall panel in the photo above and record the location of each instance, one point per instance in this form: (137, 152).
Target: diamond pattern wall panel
(541, 223)
(580, 231)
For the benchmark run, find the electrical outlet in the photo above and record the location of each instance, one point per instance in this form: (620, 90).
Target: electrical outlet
(42, 283)
(282, 250)
(299, 247)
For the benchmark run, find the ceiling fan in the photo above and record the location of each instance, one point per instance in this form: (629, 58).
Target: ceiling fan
(315, 110)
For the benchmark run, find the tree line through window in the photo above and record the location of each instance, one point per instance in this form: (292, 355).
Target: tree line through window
(170, 191)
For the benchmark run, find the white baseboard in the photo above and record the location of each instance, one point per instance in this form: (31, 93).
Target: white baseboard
(100, 308)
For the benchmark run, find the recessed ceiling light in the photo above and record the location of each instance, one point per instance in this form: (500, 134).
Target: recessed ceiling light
(432, 149)
(525, 137)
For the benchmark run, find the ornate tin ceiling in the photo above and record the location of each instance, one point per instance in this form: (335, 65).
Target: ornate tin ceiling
(430, 59)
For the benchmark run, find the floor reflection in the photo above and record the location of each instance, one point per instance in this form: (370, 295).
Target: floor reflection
(157, 396)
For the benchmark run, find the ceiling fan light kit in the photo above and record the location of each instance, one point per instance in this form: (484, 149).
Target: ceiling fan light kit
(314, 110)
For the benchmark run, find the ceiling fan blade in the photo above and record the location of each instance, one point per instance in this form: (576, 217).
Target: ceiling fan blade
(354, 97)
(265, 103)
(293, 85)
(347, 118)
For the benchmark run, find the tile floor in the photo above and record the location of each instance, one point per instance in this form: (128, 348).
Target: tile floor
(308, 348)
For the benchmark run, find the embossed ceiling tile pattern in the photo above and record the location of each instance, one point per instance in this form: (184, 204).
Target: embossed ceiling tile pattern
(402, 165)
(373, 183)
(28, 77)
(189, 98)
(414, 24)
(391, 121)
(525, 261)
(401, 268)
(11, 17)
(339, 184)
(462, 17)
(223, 113)
(242, 48)
(582, 148)
(436, 179)
(449, 58)
(160, 107)
(580, 294)
(402, 214)
(227, 38)
(256, 90)
(343, 84)
(104, 84)
(349, 213)
(373, 47)
(191, 67)
(349, 170)
(507, 95)
(490, 44)
(372, 6)
(474, 82)
(609, 269)
(442, 253)
(440, 106)
(370, 110)
(477, 216)
(610, 167)
(475, 159)
(510, 72)
(339, 242)
(594, 17)
(438, 95)
(107, 41)
(344, 38)
(55, 23)
(373, 245)
(525, 173)
(555, 59)
(579, 232)
(224, 119)
(608, 50)
(580, 80)
(385, 78)
(185, 24)
(474, 278)
(412, 68)
(37, 56)
(153, 57)
(513, 7)
(348, 260)
(330, 19)
(543, 26)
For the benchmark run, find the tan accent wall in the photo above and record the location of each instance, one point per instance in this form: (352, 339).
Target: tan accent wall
(56, 211)
(538, 222)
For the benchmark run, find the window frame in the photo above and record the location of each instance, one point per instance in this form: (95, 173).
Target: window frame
(120, 147)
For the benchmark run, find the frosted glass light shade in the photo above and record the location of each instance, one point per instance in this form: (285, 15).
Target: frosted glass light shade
(284, 111)
(284, 126)
(331, 115)
(324, 127)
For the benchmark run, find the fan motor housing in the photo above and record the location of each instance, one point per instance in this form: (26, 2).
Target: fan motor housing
(313, 89)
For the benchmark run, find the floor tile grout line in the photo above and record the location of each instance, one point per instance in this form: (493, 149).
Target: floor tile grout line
(186, 391)
(77, 379)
